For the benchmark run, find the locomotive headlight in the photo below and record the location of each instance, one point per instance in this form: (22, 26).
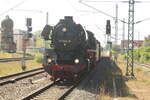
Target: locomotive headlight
(76, 61)
(64, 29)
(49, 60)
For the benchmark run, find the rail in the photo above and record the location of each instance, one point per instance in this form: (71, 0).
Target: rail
(19, 76)
(39, 91)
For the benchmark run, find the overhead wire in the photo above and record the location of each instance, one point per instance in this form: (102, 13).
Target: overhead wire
(142, 20)
(101, 11)
(15, 6)
(36, 11)
(115, 2)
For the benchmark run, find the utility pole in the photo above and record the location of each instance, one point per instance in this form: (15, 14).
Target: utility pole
(23, 63)
(138, 35)
(123, 37)
(130, 62)
(25, 41)
(47, 15)
(45, 41)
(116, 25)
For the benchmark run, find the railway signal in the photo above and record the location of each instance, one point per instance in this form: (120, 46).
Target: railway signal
(108, 33)
(29, 27)
(25, 40)
(28, 22)
(108, 27)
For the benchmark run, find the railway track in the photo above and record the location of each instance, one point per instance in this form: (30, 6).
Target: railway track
(15, 59)
(28, 57)
(39, 91)
(19, 76)
(142, 64)
(53, 91)
(138, 63)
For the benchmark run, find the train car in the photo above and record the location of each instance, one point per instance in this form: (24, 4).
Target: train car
(7, 39)
(75, 50)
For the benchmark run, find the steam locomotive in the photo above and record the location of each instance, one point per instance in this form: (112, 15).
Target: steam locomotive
(74, 50)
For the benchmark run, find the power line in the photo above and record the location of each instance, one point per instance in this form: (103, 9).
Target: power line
(101, 11)
(142, 20)
(99, 28)
(117, 1)
(96, 9)
(108, 1)
(36, 11)
(13, 7)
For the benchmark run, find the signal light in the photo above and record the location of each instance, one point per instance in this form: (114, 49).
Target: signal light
(28, 21)
(29, 35)
(29, 27)
(108, 27)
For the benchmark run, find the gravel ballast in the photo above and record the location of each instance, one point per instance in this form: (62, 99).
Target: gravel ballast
(14, 91)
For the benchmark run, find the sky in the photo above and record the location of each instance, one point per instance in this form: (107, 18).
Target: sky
(91, 19)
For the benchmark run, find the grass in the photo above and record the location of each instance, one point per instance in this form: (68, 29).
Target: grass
(138, 88)
(14, 67)
(141, 85)
(8, 55)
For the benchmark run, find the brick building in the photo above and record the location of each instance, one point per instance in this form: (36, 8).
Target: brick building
(136, 43)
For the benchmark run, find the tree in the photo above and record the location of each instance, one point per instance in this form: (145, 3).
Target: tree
(147, 41)
(115, 49)
(39, 40)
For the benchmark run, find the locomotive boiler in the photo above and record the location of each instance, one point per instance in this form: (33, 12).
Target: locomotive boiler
(74, 49)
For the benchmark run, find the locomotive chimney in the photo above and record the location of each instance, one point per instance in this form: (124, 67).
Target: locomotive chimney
(68, 18)
(62, 20)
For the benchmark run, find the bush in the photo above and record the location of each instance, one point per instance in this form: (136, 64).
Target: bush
(39, 58)
(144, 54)
(123, 56)
(145, 57)
(141, 54)
(137, 55)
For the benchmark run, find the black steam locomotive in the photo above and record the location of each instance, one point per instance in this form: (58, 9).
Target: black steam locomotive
(74, 49)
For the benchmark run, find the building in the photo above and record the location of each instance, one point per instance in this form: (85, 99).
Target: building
(18, 38)
(136, 43)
